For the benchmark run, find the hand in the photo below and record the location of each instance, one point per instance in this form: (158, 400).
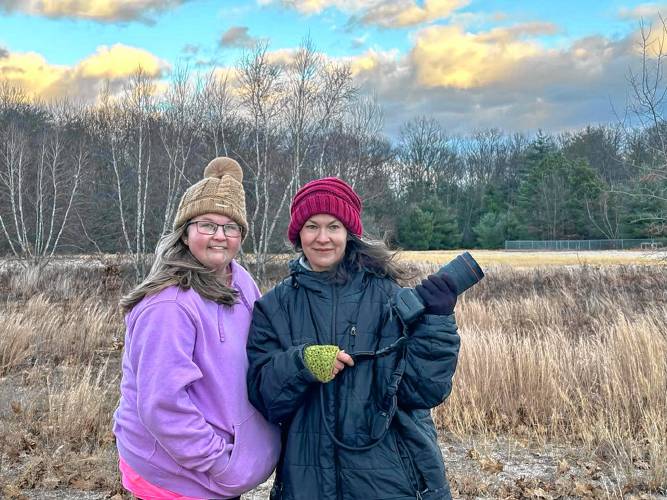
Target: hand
(326, 361)
(438, 292)
(342, 359)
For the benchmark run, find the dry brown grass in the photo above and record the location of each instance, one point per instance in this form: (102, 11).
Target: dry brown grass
(516, 258)
(581, 358)
(572, 355)
(42, 329)
(59, 375)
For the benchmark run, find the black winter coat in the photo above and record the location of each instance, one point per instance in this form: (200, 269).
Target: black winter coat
(306, 309)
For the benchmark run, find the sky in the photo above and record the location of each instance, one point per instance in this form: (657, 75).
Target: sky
(470, 64)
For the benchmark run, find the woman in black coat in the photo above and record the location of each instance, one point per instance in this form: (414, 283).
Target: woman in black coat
(333, 365)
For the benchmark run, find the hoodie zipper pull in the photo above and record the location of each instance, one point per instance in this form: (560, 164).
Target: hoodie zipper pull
(353, 337)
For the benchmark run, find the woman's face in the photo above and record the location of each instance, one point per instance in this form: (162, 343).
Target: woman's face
(323, 239)
(215, 251)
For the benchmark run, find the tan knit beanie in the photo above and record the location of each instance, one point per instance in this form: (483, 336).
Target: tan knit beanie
(220, 192)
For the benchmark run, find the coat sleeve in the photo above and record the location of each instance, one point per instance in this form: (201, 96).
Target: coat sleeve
(278, 379)
(431, 356)
(160, 353)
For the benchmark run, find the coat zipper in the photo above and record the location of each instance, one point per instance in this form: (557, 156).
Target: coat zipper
(347, 375)
(339, 494)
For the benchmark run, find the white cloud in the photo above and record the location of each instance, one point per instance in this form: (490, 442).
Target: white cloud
(448, 56)
(119, 61)
(97, 10)
(402, 13)
(191, 49)
(32, 72)
(237, 36)
(360, 41)
(383, 13)
(643, 11)
(500, 78)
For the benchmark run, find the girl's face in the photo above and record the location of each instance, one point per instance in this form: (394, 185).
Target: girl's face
(323, 239)
(215, 251)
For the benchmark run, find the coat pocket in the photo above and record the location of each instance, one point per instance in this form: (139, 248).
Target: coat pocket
(407, 464)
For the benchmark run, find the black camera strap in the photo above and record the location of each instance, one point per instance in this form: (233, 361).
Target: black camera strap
(382, 419)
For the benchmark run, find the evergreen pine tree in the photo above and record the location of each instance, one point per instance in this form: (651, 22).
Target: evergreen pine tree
(415, 229)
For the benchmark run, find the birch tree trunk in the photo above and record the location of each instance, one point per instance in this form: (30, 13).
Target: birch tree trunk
(39, 175)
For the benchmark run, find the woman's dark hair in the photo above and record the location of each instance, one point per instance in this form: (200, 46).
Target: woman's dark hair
(368, 254)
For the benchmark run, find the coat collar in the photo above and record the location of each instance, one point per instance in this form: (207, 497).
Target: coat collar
(319, 281)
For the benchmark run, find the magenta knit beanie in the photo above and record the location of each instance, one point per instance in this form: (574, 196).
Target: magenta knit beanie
(325, 196)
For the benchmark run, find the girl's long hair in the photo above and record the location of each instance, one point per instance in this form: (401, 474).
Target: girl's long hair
(175, 265)
(367, 254)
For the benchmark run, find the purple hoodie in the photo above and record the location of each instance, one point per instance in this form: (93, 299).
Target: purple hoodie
(184, 421)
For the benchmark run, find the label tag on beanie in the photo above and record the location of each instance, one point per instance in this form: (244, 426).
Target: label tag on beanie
(222, 205)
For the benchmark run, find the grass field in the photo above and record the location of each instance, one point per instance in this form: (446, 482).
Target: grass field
(555, 356)
(546, 258)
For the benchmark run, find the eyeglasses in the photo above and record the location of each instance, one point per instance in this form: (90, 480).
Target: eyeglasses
(210, 228)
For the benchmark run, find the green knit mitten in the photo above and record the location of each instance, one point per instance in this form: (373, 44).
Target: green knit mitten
(320, 360)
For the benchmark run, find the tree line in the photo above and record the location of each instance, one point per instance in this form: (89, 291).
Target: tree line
(106, 177)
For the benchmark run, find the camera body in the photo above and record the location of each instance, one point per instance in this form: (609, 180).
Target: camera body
(464, 271)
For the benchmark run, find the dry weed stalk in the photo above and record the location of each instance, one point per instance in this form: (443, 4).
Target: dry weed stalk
(553, 364)
(43, 330)
(571, 354)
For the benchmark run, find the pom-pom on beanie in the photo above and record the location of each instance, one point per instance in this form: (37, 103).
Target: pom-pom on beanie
(329, 195)
(220, 192)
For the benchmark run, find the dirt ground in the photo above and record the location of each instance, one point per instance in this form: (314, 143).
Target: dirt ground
(484, 468)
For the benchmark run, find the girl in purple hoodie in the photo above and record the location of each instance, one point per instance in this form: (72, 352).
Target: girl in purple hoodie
(184, 426)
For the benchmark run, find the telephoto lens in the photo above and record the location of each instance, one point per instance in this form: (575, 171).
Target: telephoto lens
(464, 271)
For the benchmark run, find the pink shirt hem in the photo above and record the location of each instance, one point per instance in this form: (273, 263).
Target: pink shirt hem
(141, 488)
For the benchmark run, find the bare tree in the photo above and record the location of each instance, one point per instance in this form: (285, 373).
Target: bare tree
(217, 112)
(286, 120)
(125, 124)
(180, 131)
(487, 157)
(291, 110)
(261, 93)
(604, 215)
(648, 98)
(427, 156)
(39, 177)
(334, 103)
(422, 149)
(362, 124)
(302, 89)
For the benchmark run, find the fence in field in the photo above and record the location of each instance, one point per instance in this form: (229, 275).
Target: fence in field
(621, 244)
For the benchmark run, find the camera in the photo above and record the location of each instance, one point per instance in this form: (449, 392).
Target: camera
(464, 271)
